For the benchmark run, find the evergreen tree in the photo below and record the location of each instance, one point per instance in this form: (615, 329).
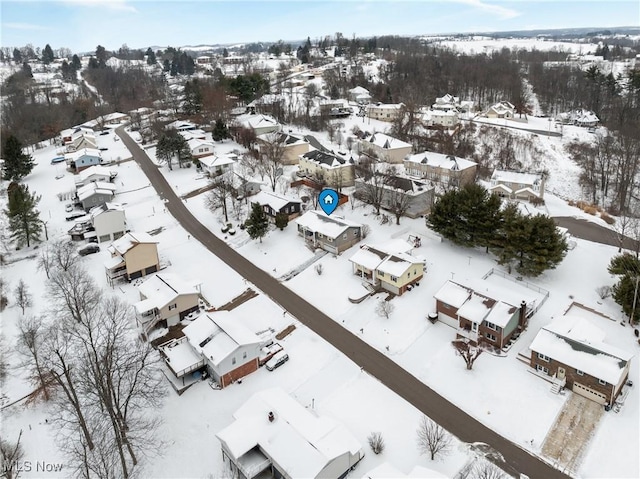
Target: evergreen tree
(225, 53)
(166, 66)
(192, 98)
(220, 130)
(151, 57)
(17, 164)
(101, 56)
(76, 63)
(627, 267)
(17, 56)
(47, 55)
(24, 220)
(282, 220)
(258, 223)
(545, 248)
(26, 69)
(93, 63)
(444, 219)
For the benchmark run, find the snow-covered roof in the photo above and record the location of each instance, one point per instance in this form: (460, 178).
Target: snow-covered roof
(325, 159)
(97, 187)
(129, 240)
(114, 262)
(181, 125)
(94, 170)
(397, 264)
(211, 161)
(161, 289)
(578, 343)
(98, 210)
(217, 335)
(386, 106)
(391, 261)
(196, 143)
(180, 355)
(189, 134)
(331, 227)
(274, 200)
(368, 257)
(501, 314)
(387, 471)
(84, 152)
(286, 139)
(476, 308)
(297, 440)
(254, 121)
(502, 176)
(387, 142)
(359, 91)
(439, 160)
(452, 294)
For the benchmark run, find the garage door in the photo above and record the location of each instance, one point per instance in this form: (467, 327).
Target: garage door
(446, 319)
(589, 393)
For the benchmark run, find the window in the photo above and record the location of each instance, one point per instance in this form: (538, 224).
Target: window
(244, 355)
(579, 373)
(600, 381)
(104, 238)
(543, 357)
(344, 236)
(118, 234)
(381, 274)
(491, 337)
(233, 360)
(492, 326)
(393, 278)
(542, 369)
(173, 306)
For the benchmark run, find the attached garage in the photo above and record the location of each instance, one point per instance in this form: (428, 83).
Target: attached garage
(448, 320)
(589, 393)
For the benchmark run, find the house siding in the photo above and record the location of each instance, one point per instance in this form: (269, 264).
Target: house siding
(97, 199)
(141, 260)
(185, 303)
(110, 223)
(340, 176)
(610, 391)
(239, 372)
(412, 275)
(393, 155)
(444, 176)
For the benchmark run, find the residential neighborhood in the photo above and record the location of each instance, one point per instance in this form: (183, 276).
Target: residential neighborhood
(341, 256)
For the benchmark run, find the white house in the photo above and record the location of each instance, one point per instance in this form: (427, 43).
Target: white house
(517, 185)
(109, 221)
(200, 148)
(327, 168)
(83, 159)
(447, 170)
(93, 174)
(359, 95)
(214, 165)
(502, 109)
(260, 124)
(274, 434)
(180, 125)
(440, 118)
(384, 111)
(196, 134)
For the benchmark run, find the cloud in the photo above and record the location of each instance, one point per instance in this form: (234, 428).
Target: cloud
(24, 26)
(116, 5)
(503, 13)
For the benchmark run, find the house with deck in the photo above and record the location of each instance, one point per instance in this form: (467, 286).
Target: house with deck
(134, 255)
(273, 435)
(330, 233)
(572, 350)
(446, 170)
(274, 204)
(385, 148)
(165, 299)
(515, 185)
(109, 221)
(216, 165)
(388, 267)
(480, 313)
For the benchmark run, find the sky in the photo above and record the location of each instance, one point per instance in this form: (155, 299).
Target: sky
(81, 25)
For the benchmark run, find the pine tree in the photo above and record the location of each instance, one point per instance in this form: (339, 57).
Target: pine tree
(47, 55)
(444, 219)
(76, 63)
(220, 130)
(627, 267)
(258, 223)
(17, 164)
(151, 57)
(26, 69)
(17, 56)
(282, 220)
(24, 220)
(545, 249)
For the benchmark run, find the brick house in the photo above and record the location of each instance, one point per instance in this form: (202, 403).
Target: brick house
(572, 350)
(478, 314)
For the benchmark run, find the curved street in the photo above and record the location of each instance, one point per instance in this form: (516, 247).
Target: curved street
(588, 230)
(407, 386)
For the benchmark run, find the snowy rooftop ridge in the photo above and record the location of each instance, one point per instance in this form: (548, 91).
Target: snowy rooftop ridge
(274, 200)
(439, 160)
(129, 240)
(161, 289)
(331, 227)
(387, 142)
(297, 439)
(515, 177)
(576, 342)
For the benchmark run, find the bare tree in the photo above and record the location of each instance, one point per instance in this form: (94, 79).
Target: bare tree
(10, 456)
(603, 292)
(4, 300)
(433, 439)
(31, 337)
(73, 292)
(272, 153)
(397, 200)
(58, 255)
(222, 189)
(22, 296)
(384, 308)
(482, 469)
(370, 187)
(468, 351)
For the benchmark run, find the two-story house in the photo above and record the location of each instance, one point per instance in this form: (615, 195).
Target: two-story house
(382, 267)
(384, 111)
(216, 165)
(95, 194)
(407, 196)
(274, 204)
(165, 299)
(93, 174)
(327, 168)
(517, 185)
(572, 350)
(360, 95)
(132, 256)
(446, 170)
(273, 435)
(258, 123)
(329, 233)
(200, 148)
(291, 146)
(385, 148)
(502, 109)
(109, 221)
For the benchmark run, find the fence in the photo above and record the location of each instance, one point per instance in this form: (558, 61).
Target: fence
(526, 284)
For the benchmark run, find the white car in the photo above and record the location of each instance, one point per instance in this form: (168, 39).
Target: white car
(276, 361)
(68, 207)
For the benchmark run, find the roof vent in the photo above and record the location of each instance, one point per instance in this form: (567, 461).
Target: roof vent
(271, 416)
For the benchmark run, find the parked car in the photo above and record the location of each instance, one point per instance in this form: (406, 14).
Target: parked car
(88, 249)
(57, 159)
(267, 352)
(277, 361)
(75, 215)
(68, 207)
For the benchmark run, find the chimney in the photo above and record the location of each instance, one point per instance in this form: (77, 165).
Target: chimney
(522, 321)
(271, 416)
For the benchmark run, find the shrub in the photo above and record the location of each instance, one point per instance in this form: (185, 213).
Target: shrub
(603, 291)
(591, 210)
(376, 442)
(607, 219)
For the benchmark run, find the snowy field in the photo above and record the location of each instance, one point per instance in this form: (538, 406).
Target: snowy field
(479, 44)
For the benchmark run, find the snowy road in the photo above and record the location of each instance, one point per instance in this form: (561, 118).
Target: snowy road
(393, 376)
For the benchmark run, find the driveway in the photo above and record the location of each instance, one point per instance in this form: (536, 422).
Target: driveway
(407, 386)
(588, 230)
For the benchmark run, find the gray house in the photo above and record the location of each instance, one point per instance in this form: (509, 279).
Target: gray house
(331, 234)
(415, 197)
(274, 204)
(95, 194)
(83, 159)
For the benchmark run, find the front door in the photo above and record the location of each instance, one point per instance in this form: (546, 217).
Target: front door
(561, 373)
(474, 327)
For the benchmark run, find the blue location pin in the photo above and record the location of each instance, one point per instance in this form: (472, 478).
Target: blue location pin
(328, 200)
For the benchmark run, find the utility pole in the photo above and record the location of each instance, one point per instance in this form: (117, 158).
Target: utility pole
(635, 298)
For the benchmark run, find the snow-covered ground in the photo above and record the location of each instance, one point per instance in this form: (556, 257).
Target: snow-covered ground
(479, 44)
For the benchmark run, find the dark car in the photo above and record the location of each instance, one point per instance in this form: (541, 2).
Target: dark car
(88, 249)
